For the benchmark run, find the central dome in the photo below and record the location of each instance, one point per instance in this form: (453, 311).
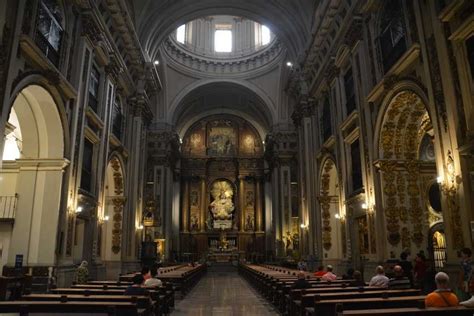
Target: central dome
(223, 37)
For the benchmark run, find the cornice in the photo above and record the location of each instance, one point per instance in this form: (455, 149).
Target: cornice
(194, 65)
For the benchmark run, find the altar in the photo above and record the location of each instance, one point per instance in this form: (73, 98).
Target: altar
(223, 256)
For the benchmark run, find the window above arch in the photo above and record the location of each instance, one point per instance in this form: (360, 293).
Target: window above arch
(49, 30)
(392, 38)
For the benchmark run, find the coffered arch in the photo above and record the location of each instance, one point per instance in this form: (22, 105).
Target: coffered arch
(219, 96)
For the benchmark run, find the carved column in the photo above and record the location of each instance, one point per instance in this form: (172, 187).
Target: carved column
(203, 205)
(258, 206)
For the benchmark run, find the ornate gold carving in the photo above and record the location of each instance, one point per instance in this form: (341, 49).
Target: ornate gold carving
(118, 203)
(325, 201)
(400, 138)
(391, 211)
(449, 188)
(413, 191)
(118, 179)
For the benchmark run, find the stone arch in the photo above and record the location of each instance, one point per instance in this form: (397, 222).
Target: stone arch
(47, 94)
(38, 180)
(403, 123)
(332, 218)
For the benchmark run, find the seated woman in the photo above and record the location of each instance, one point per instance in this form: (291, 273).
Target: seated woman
(153, 281)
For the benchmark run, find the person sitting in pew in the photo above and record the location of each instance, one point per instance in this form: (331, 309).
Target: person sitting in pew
(349, 275)
(357, 279)
(301, 282)
(153, 281)
(380, 279)
(320, 272)
(146, 273)
(399, 281)
(82, 273)
(329, 276)
(442, 296)
(136, 287)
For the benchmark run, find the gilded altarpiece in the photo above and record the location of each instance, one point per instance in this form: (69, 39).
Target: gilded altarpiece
(221, 186)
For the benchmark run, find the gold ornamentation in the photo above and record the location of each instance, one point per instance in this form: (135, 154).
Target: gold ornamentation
(325, 201)
(118, 203)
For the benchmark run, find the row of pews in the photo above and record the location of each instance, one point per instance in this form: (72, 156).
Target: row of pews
(100, 298)
(336, 297)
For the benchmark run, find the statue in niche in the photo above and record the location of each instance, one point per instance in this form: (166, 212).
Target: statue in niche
(194, 198)
(222, 206)
(288, 240)
(194, 222)
(249, 222)
(249, 199)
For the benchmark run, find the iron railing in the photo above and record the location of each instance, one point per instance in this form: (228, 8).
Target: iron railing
(8, 206)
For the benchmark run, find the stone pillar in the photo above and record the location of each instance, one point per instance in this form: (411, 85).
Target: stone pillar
(39, 192)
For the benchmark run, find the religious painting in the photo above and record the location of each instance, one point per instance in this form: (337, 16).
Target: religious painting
(195, 141)
(222, 139)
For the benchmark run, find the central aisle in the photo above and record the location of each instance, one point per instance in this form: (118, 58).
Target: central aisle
(223, 294)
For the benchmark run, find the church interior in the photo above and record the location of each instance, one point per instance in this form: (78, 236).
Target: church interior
(233, 149)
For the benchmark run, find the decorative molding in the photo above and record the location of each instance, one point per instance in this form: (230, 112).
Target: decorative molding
(261, 60)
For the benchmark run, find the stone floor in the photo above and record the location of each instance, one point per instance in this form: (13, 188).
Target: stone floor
(225, 293)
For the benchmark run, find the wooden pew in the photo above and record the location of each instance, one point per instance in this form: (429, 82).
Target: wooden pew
(142, 301)
(310, 300)
(164, 294)
(429, 311)
(332, 307)
(71, 307)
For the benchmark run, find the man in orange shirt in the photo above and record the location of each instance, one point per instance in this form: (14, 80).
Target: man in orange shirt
(442, 297)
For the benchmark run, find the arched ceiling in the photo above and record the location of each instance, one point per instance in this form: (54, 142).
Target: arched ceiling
(290, 20)
(220, 98)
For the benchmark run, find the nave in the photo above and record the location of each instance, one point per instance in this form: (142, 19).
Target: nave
(223, 293)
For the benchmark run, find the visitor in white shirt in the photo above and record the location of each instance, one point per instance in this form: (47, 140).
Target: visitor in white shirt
(379, 280)
(153, 281)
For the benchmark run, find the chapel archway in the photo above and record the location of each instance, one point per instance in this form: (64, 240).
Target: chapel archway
(112, 221)
(407, 161)
(332, 216)
(32, 173)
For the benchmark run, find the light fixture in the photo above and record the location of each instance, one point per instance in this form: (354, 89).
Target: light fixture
(106, 218)
(439, 179)
(140, 227)
(337, 216)
(156, 62)
(79, 209)
(289, 64)
(302, 225)
(364, 206)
